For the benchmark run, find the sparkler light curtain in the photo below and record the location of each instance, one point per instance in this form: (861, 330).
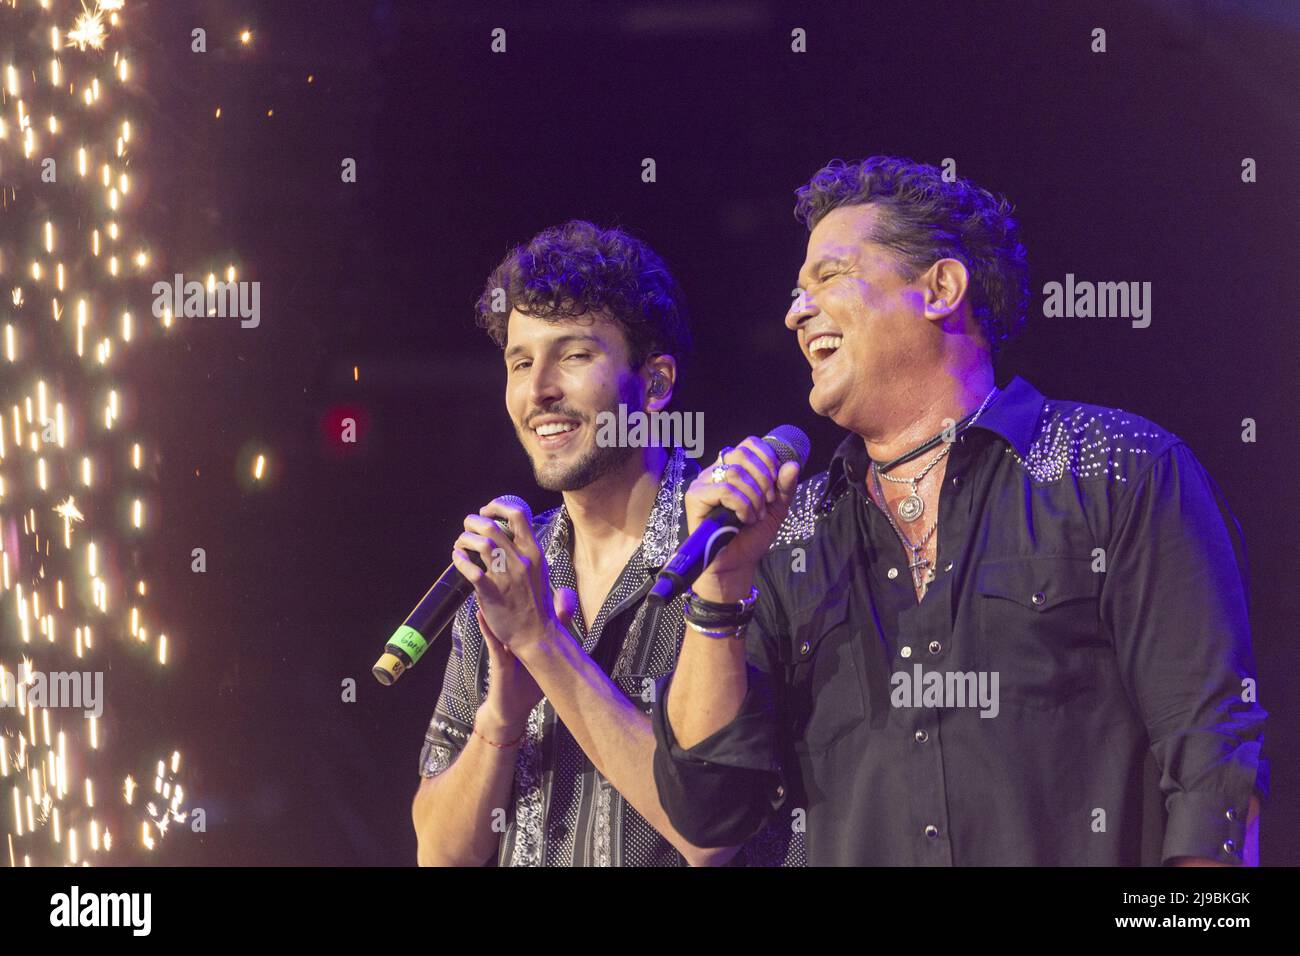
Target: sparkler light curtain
(85, 780)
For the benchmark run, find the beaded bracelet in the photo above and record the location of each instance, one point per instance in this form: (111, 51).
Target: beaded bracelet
(493, 743)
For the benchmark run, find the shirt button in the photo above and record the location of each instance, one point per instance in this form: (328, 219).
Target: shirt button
(1229, 846)
(905, 652)
(935, 647)
(932, 831)
(780, 791)
(922, 736)
(1232, 813)
(948, 566)
(891, 573)
(956, 481)
(805, 647)
(1039, 597)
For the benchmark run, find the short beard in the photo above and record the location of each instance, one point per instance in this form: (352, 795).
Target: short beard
(596, 464)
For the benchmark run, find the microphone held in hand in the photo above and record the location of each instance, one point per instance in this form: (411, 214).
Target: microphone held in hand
(721, 525)
(435, 611)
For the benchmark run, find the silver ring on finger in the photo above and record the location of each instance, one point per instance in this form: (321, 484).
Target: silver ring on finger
(719, 474)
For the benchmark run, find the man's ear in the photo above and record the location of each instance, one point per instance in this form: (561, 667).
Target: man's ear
(658, 379)
(945, 288)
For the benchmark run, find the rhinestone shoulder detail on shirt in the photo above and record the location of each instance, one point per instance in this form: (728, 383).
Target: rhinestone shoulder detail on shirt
(1089, 441)
(810, 503)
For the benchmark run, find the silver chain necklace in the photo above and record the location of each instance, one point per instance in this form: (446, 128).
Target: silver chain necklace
(912, 506)
(919, 565)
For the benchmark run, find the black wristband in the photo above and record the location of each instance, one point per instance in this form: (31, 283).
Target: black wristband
(713, 614)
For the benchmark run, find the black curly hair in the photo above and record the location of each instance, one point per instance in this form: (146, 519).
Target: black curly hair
(578, 268)
(928, 219)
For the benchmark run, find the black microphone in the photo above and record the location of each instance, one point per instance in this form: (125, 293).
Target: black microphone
(436, 610)
(721, 525)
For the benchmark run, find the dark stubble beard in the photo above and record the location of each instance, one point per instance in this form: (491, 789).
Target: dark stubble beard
(595, 464)
(591, 467)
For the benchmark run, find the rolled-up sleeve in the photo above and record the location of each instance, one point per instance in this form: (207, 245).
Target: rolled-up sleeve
(1175, 599)
(725, 789)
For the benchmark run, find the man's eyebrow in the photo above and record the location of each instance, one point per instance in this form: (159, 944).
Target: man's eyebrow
(561, 341)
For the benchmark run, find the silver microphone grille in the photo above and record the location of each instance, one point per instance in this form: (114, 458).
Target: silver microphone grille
(515, 501)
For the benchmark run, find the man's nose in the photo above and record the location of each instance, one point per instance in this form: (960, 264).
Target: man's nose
(801, 310)
(543, 385)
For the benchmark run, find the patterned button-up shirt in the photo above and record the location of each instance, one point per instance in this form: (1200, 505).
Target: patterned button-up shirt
(564, 812)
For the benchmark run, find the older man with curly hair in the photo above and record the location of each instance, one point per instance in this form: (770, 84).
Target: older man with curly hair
(1001, 629)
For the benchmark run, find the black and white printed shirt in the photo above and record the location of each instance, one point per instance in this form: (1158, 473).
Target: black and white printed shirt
(564, 812)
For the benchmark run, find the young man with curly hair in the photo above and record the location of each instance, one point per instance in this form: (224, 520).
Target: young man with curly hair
(1000, 629)
(540, 748)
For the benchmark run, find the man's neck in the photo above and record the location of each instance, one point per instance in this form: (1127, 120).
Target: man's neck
(920, 410)
(609, 515)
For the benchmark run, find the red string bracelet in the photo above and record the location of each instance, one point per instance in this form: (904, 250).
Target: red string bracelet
(493, 743)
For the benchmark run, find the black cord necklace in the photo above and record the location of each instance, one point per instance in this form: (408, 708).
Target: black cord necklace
(926, 446)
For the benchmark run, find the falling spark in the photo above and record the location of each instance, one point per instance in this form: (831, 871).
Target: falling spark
(88, 30)
(68, 509)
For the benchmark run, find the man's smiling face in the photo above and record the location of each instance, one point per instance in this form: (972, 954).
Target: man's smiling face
(560, 374)
(858, 320)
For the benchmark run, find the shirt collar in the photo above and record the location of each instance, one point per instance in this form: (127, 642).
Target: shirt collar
(665, 528)
(1013, 415)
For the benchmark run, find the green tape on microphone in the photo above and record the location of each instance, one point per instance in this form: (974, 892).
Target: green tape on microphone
(410, 642)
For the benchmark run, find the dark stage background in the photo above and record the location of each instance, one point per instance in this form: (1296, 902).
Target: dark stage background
(1124, 166)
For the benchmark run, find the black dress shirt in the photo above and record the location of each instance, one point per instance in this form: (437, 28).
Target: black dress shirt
(1090, 581)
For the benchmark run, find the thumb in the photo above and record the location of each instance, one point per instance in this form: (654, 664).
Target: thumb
(565, 601)
(787, 478)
